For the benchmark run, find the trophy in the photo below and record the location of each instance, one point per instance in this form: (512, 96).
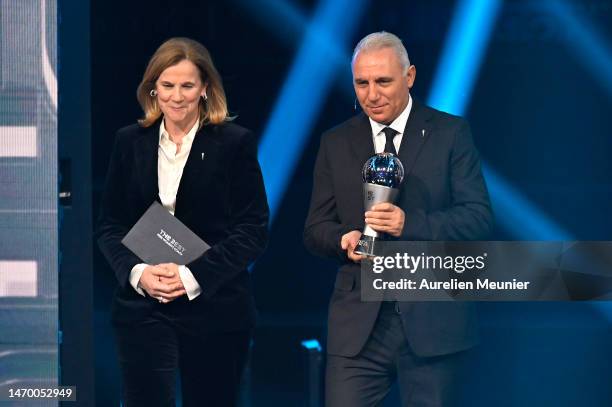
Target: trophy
(382, 176)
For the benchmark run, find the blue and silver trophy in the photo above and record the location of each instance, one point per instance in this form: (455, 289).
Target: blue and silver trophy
(383, 174)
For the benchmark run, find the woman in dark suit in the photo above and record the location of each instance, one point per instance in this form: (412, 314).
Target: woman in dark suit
(192, 318)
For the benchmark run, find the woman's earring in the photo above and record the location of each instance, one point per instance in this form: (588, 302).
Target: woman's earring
(204, 96)
(355, 105)
(153, 93)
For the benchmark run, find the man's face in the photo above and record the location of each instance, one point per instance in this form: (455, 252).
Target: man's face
(381, 85)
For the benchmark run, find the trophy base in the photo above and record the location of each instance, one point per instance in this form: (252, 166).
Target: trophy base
(367, 246)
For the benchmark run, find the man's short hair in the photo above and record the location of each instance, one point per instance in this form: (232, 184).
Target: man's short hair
(379, 40)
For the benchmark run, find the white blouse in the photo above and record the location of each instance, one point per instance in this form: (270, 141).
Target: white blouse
(170, 165)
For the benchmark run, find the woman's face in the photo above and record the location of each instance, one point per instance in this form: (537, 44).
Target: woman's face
(179, 89)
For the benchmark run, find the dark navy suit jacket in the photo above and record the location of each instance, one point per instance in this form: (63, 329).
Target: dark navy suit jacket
(444, 198)
(221, 197)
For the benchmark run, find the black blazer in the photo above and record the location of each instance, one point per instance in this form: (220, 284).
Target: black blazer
(444, 197)
(221, 197)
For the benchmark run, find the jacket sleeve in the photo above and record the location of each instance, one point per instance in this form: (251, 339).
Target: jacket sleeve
(323, 229)
(113, 224)
(248, 232)
(469, 217)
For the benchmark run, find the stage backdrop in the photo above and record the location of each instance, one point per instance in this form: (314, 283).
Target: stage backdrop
(28, 195)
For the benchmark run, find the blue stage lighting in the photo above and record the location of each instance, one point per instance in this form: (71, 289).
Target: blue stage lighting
(519, 216)
(283, 19)
(466, 42)
(319, 57)
(311, 344)
(584, 40)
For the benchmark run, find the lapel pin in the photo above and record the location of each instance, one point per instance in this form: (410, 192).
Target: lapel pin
(423, 133)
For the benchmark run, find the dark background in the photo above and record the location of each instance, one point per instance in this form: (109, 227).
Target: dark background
(540, 116)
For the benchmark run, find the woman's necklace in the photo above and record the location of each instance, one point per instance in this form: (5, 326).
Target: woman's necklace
(179, 144)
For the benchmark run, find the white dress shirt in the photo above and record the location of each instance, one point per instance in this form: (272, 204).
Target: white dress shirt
(399, 125)
(170, 165)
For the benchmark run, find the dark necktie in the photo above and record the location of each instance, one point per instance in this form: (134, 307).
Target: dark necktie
(389, 134)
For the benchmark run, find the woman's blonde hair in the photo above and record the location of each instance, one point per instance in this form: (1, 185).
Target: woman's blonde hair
(213, 110)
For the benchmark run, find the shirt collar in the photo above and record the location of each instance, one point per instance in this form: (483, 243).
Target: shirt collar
(399, 124)
(164, 136)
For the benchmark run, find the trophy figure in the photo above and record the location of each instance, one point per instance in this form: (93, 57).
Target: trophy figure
(382, 176)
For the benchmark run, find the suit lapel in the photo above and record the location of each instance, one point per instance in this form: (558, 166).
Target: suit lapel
(146, 157)
(198, 168)
(361, 141)
(415, 135)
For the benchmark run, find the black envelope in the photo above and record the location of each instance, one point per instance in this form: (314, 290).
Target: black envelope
(159, 237)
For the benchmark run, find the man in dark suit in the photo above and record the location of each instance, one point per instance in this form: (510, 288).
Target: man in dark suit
(443, 197)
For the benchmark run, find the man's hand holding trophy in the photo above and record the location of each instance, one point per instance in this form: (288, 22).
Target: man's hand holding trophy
(383, 174)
